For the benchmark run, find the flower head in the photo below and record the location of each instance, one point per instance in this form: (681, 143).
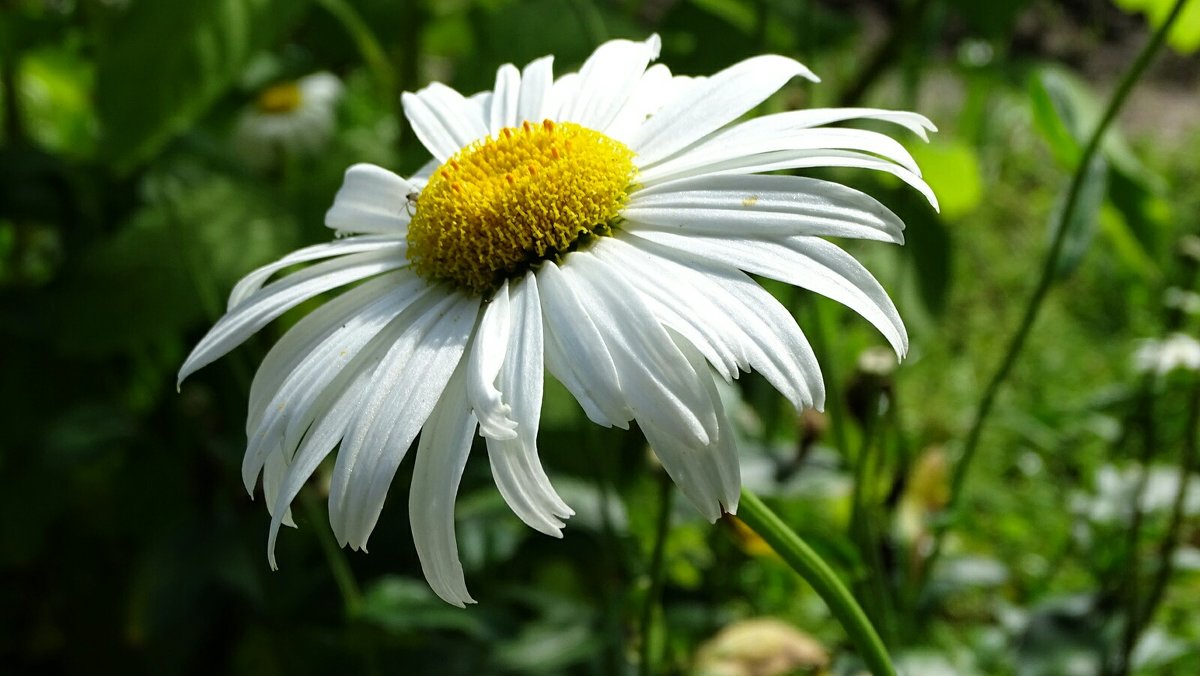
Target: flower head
(600, 226)
(294, 117)
(1176, 351)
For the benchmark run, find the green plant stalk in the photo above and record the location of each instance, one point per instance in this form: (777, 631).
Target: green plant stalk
(1128, 589)
(1139, 617)
(366, 42)
(654, 591)
(863, 528)
(334, 556)
(802, 559)
(1046, 280)
(833, 391)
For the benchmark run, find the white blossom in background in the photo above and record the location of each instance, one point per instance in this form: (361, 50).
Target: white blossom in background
(289, 118)
(601, 226)
(1115, 493)
(1161, 356)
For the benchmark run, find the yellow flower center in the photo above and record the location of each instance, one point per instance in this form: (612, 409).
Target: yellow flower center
(503, 204)
(281, 98)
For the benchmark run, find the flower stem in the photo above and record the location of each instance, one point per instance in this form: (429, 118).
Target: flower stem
(809, 565)
(646, 663)
(1140, 615)
(366, 42)
(338, 566)
(1049, 266)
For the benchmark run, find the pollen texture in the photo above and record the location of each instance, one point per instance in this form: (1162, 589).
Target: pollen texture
(502, 204)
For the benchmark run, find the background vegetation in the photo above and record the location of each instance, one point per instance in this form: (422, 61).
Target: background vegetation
(127, 211)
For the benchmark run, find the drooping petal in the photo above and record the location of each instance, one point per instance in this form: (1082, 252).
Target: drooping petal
(576, 353)
(607, 79)
(305, 362)
(443, 119)
(406, 385)
(515, 466)
(373, 200)
(707, 474)
(483, 368)
(273, 474)
(336, 407)
(505, 99)
(441, 456)
(762, 206)
(656, 380)
(711, 104)
(724, 306)
(264, 305)
(537, 78)
(808, 262)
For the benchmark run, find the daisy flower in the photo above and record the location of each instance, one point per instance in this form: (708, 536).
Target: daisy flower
(1176, 351)
(288, 118)
(599, 226)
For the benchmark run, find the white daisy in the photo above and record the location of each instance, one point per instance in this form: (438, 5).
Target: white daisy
(288, 118)
(1176, 351)
(599, 226)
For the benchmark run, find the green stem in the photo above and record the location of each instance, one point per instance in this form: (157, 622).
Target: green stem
(1046, 280)
(821, 577)
(646, 663)
(364, 38)
(1140, 616)
(338, 566)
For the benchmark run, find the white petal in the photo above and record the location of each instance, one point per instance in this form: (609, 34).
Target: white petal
(711, 104)
(562, 93)
(483, 367)
(653, 89)
(405, 387)
(677, 304)
(536, 80)
(264, 305)
(515, 466)
(443, 119)
(808, 262)
(371, 199)
(576, 353)
(748, 139)
(657, 382)
(273, 474)
(819, 117)
(727, 308)
(505, 98)
(336, 407)
(795, 159)
(707, 474)
(341, 247)
(441, 456)
(762, 206)
(607, 79)
(289, 386)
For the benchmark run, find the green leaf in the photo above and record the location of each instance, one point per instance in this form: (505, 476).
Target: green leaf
(1066, 112)
(1081, 228)
(951, 168)
(402, 605)
(1185, 34)
(165, 63)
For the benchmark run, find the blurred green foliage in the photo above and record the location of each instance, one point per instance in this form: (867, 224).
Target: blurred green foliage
(127, 213)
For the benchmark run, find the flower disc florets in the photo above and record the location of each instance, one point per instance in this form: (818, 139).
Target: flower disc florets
(502, 204)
